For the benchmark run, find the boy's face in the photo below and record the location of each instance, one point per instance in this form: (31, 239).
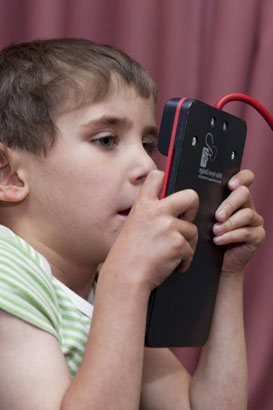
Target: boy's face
(91, 177)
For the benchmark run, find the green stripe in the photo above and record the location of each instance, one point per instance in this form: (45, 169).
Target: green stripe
(81, 324)
(17, 245)
(30, 300)
(25, 283)
(73, 359)
(21, 315)
(72, 372)
(33, 277)
(21, 304)
(37, 258)
(76, 339)
(74, 329)
(27, 292)
(76, 319)
(66, 308)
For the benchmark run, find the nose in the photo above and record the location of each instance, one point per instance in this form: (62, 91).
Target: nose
(140, 166)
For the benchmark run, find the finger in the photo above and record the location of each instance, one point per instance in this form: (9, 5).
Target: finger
(248, 235)
(240, 198)
(244, 217)
(189, 231)
(183, 204)
(243, 177)
(187, 254)
(152, 185)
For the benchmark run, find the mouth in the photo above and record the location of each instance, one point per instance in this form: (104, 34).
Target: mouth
(125, 212)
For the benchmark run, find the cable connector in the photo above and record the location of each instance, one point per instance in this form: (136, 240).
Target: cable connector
(248, 100)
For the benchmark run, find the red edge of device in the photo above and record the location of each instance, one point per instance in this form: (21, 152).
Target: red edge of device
(170, 152)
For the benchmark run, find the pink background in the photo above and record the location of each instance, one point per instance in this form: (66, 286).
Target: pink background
(200, 49)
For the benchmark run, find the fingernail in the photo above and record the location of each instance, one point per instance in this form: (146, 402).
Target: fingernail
(218, 239)
(218, 228)
(222, 213)
(234, 182)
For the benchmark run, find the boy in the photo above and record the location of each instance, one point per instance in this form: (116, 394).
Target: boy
(78, 187)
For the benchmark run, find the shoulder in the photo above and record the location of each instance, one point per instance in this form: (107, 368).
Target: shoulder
(26, 290)
(30, 292)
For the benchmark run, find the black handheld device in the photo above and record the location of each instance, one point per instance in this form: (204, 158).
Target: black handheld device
(204, 146)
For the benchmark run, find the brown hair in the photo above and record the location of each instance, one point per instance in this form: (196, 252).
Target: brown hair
(43, 78)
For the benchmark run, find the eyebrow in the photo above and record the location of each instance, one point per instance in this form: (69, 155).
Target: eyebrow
(109, 120)
(120, 122)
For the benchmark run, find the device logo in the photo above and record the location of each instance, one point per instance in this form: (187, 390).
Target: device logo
(209, 152)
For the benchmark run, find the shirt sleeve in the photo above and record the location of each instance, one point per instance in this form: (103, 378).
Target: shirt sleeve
(25, 290)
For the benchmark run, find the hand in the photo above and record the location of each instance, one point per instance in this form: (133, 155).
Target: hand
(239, 226)
(154, 240)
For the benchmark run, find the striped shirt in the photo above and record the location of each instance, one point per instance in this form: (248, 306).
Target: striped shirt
(29, 291)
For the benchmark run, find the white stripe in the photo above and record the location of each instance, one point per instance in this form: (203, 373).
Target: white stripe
(71, 332)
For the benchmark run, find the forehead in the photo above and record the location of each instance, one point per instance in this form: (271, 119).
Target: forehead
(122, 101)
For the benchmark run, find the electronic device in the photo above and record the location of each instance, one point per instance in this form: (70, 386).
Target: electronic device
(204, 147)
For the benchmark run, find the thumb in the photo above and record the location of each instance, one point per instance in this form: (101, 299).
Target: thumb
(152, 185)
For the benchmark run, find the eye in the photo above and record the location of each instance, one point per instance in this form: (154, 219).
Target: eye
(149, 146)
(107, 141)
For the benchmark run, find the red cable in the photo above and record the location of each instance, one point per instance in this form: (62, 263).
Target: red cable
(249, 100)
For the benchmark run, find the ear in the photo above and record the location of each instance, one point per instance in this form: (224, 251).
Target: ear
(13, 181)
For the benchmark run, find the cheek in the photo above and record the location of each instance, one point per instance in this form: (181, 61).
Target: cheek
(82, 188)
(90, 197)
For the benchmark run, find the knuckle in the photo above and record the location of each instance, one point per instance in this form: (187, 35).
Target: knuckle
(193, 196)
(251, 175)
(247, 233)
(194, 230)
(260, 235)
(260, 218)
(229, 206)
(191, 253)
(250, 214)
(194, 233)
(181, 241)
(191, 258)
(168, 223)
(229, 224)
(263, 233)
(245, 174)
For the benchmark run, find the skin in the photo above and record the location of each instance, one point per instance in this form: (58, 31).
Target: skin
(98, 169)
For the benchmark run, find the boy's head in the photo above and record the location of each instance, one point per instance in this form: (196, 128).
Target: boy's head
(42, 79)
(90, 109)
